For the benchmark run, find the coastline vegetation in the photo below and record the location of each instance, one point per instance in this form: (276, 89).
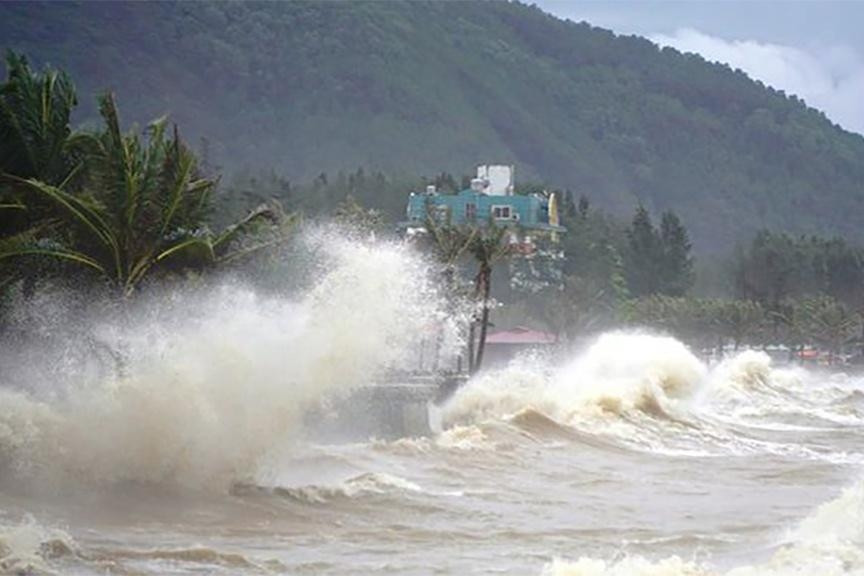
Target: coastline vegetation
(116, 209)
(104, 206)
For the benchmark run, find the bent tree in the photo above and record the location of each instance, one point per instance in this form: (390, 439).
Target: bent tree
(448, 243)
(488, 247)
(136, 205)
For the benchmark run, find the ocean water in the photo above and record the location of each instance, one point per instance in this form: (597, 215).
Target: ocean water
(192, 455)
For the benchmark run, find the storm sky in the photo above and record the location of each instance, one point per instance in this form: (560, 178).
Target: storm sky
(814, 49)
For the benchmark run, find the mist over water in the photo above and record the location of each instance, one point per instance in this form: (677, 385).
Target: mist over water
(195, 387)
(172, 438)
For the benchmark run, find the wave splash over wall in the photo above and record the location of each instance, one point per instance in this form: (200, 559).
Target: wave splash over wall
(620, 373)
(209, 383)
(652, 392)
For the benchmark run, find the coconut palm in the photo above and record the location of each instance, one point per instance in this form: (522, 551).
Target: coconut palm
(448, 243)
(488, 246)
(139, 206)
(354, 216)
(35, 137)
(35, 142)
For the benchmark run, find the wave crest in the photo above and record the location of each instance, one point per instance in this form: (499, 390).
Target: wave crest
(29, 547)
(367, 484)
(620, 373)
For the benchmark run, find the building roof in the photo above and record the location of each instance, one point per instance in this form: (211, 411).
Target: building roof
(520, 335)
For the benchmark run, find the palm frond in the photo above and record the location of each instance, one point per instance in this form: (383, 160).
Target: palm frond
(86, 216)
(83, 216)
(270, 212)
(12, 206)
(35, 109)
(180, 189)
(194, 249)
(450, 241)
(198, 245)
(30, 243)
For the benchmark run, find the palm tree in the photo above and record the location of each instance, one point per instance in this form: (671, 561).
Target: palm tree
(35, 137)
(488, 246)
(449, 243)
(140, 205)
(35, 142)
(353, 215)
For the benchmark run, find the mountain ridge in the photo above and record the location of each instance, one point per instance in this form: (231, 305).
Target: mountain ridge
(424, 87)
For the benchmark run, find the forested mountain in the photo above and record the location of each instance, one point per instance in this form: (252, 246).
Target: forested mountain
(416, 88)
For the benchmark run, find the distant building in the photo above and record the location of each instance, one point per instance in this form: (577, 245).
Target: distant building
(489, 200)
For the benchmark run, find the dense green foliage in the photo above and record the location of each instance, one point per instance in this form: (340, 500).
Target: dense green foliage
(35, 112)
(777, 267)
(623, 261)
(819, 321)
(36, 141)
(408, 88)
(658, 261)
(106, 201)
(804, 290)
(606, 264)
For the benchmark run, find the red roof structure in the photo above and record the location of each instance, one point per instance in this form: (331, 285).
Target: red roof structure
(521, 335)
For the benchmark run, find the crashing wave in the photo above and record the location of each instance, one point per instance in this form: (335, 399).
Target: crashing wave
(29, 548)
(650, 392)
(620, 373)
(212, 382)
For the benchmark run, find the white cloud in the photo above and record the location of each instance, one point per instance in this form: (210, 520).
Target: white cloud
(831, 80)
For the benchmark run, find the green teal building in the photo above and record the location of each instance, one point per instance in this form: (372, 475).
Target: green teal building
(489, 200)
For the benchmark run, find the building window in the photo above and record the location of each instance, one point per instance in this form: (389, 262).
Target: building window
(501, 212)
(439, 213)
(471, 212)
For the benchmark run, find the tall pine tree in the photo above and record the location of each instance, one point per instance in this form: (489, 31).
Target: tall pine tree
(658, 261)
(677, 264)
(644, 253)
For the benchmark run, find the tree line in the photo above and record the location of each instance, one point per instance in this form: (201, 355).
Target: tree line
(117, 209)
(783, 289)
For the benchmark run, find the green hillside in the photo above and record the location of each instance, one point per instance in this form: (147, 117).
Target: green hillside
(412, 88)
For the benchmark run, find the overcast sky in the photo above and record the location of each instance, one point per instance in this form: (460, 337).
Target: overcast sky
(814, 49)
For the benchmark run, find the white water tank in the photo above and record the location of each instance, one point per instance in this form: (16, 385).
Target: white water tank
(499, 178)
